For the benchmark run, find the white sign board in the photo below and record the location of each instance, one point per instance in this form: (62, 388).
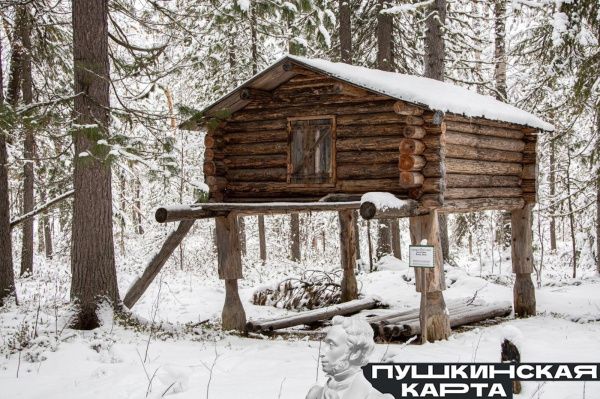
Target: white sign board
(421, 256)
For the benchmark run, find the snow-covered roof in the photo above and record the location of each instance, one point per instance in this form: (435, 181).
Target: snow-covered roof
(429, 93)
(436, 95)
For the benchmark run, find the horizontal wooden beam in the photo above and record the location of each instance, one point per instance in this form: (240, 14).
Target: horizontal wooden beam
(214, 209)
(372, 210)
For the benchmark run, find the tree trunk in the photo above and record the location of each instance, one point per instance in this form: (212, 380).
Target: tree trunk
(92, 252)
(552, 183)
(500, 49)
(598, 200)
(29, 143)
(384, 238)
(356, 234)
(7, 277)
(348, 255)
(435, 53)
(262, 243)
(345, 32)
(242, 229)
(396, 242)
(254, 38)
(45, 226)
(295, 237)
(385, 52)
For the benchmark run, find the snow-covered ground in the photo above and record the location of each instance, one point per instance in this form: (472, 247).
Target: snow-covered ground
(186, 356)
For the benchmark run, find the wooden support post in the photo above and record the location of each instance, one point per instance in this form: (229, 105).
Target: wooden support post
(230, 270)
(262, 243)
(522, 261)
(348, 255)
(295, 237)
(433, 316)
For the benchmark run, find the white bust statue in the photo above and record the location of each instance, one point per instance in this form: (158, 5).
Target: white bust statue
(347, 348)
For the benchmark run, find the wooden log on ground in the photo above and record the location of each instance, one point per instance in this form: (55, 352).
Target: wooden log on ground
(373, 210)
(522, 261)
(473, 315)
(482, 204)
(463, 180)
(482, 192)
(466, 166)
(312, 316)
(141, 284)
(348, 255)
(474, 140)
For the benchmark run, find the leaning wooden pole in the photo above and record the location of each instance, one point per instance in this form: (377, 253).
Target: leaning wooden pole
(434, 321)
(156, 264)
(348, 254)
(522, 261)
(233, 316)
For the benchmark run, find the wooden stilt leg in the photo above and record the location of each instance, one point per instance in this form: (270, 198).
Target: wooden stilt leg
(230, 270)
(233, 316)
(348, 255)
(522, 261)
(435, 324)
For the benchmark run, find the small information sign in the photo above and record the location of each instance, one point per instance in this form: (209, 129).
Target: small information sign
(421, 256)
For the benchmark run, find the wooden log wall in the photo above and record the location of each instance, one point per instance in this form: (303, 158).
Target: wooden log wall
(247, 155)
(489, 164)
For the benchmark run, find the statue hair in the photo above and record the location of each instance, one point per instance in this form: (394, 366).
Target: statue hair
(360, 336)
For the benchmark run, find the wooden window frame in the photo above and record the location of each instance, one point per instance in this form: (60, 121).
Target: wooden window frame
(333, 181)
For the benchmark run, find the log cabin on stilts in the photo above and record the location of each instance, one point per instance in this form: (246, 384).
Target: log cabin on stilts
(312, 135)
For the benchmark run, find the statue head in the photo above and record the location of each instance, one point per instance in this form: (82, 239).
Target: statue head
(348, 345)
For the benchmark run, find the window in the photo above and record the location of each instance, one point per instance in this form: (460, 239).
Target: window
(311, 150)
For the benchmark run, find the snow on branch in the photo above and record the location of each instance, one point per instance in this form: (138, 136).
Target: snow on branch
(406, 7)
(40, 208)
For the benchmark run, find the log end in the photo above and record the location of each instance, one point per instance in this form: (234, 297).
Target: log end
(161, 215)
(368, 210)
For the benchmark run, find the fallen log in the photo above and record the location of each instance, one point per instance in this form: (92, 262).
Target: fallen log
(478, 313)
(312, 316)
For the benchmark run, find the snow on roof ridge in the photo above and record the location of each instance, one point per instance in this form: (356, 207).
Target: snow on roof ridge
(436, 95)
